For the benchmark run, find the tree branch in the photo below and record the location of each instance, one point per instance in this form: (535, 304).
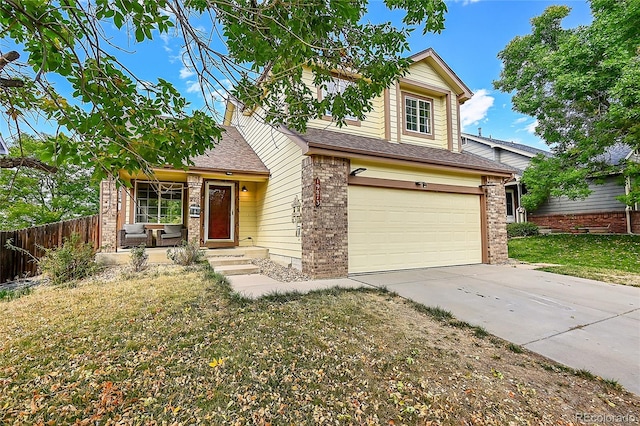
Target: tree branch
(8, 57)
(11, 162)
(11, 82)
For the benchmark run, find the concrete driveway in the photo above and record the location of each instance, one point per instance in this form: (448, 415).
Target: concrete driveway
(581, 323)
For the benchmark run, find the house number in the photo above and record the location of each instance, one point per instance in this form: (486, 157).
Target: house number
(317, 192)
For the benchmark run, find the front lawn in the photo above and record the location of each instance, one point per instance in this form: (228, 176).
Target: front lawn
(176, 346)
(610, 258)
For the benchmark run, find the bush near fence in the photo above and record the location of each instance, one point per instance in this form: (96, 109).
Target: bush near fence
(14, 263)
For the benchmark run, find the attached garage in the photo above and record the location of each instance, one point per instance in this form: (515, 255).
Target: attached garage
(392, 229)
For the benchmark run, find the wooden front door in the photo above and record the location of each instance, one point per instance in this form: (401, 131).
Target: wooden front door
(220, 223)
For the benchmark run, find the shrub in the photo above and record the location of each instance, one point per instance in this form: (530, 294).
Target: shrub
(139, 258)
(522, 229)
(73, 261)
(186, 254)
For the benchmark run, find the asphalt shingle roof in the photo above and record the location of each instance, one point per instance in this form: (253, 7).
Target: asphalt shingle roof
(512, 145)
(232, 154)
(327, 139)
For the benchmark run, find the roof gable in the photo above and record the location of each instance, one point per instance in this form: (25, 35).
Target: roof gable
(440, 66)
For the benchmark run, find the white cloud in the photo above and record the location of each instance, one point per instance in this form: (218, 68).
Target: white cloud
(520, 120)
(193, 87)
(531, 128)
(186, 72)
(475, 109)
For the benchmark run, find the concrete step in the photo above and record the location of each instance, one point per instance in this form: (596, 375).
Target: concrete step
(237, 269)
(230, 260)
(250, 252)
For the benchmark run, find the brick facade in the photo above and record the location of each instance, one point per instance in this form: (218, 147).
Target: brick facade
(617, 221)
(496, 217)
(635, 222)
(108, 215)
(325, 227)
(194, 184)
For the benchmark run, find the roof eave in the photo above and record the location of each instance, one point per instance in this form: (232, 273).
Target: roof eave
(318, 148)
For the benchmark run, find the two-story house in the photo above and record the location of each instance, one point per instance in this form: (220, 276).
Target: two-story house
(393, 191)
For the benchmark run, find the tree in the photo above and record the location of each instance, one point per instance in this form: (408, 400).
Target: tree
(583, 87)
(116, 121)
(31, 196)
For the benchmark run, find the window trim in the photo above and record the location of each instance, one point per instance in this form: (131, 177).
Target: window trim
(350, 121)
(416, 133)
(136, 206)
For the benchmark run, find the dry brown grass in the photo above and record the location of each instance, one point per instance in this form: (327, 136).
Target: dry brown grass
(176, 347)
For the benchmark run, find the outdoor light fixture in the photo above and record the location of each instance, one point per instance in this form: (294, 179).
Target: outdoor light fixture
(357, 171)
(228, 173)
(421, 184)
(244, 188)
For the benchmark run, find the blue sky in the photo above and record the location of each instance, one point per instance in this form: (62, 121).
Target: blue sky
(476, 30)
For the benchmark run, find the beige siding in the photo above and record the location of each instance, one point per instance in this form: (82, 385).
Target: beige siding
(392, 229)
(372, 126)
(273, 228)
(424, 73)
(412, 174)
(247, 218)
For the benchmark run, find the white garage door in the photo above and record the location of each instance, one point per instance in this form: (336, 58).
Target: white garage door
(393, 229)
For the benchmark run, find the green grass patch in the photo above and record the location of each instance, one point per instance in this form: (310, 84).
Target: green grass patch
(611, 258)
(7, 295)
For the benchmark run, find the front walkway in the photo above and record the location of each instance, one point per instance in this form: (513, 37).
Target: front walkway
(581, 323)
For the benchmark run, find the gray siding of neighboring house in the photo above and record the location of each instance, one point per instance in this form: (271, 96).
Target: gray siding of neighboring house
(503, 156)
(514, 160)
(478, 149)
(602, 199)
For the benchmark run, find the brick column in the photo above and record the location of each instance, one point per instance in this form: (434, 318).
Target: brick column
(108, 216)
(496, 209)
(325, 227)
(194, 184)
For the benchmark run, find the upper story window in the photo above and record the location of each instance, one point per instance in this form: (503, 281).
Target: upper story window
(418, 115)
(158, 202)
(337, 86)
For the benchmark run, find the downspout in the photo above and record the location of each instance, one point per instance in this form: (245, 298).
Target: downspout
(627, 210)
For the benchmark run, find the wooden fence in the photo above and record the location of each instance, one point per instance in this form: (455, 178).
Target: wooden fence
(14, 263)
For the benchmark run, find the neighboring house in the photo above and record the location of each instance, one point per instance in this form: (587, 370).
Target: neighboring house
(514, 155)
(3, 147)
(389, 192)
(601, 211)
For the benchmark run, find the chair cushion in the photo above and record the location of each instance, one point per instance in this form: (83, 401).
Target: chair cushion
(133, 228)
(172, 229)
(129, 236)
(166, 235)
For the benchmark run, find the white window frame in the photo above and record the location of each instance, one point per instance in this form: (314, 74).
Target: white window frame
(422, 104)
(336, 85)
(158, 188)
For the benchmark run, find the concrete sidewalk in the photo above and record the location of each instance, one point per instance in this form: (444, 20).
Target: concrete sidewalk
(583, 324)
(254, 286)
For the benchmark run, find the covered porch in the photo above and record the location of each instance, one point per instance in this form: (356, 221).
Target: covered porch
(213, 202)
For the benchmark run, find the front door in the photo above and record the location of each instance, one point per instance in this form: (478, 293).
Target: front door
(220, 212)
